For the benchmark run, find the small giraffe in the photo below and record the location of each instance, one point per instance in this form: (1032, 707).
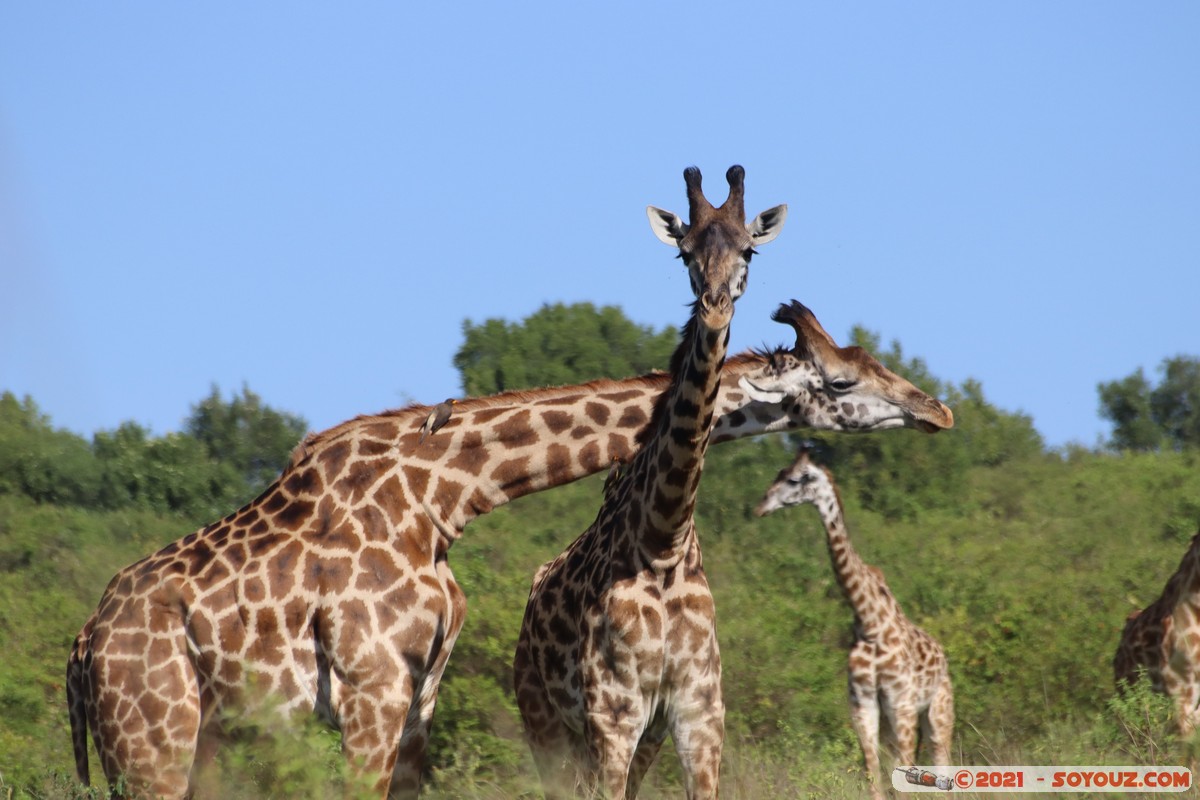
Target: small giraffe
(895, 667)
(631, 655)
(1164, 640)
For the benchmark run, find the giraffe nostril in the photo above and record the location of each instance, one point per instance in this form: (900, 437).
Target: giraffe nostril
(717, 299)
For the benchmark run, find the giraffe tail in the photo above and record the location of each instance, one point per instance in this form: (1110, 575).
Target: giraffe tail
(76, 705)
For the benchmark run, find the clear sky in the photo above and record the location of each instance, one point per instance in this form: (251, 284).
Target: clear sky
(311, 198)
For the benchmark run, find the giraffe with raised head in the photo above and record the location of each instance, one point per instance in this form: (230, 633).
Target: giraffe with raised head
(899, 677)
(1163, 639)
(640, 657)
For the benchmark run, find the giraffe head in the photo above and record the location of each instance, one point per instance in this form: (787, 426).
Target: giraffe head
(805, 481)
(716, 243)
(839, 388)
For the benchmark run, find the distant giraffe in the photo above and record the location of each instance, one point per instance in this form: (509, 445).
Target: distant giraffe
(895, 667)
(1164, 640)
(633, 655)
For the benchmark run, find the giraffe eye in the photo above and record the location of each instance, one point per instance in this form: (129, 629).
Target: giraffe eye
(841, 385)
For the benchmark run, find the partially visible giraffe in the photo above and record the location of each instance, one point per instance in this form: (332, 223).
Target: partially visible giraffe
(895, 667)
(635, 654)
(1164, 640)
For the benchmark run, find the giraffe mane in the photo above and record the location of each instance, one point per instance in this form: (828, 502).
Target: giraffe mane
(686, 339)
(313, 441)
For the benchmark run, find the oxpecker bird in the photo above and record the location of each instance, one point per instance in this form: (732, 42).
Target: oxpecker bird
(437, 418)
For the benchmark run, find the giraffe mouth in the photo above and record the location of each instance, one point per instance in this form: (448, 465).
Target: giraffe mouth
(759, 394)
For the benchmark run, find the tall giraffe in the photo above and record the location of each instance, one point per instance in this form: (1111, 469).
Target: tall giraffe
(1164, 640)
(636, 653)
(834, 388)
(332, 591)
(895, 667)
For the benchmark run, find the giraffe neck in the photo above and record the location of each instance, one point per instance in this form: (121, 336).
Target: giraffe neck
(858, 582)
(496, 449)
(667, 471)
(1185, 581)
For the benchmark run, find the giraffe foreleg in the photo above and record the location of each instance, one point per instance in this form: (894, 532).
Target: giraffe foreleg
(612, 728)
(556, 750)
(643, 758)
(902, 724)
(937, 722)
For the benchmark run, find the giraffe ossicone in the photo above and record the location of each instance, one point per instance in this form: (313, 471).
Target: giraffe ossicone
(898, 673)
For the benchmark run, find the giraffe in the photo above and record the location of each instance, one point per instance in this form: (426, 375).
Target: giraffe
(1164, 640)
(641, 647)
(898, 672)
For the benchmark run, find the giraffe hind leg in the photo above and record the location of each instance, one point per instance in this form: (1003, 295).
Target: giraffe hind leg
(149, 740)
(77, 705)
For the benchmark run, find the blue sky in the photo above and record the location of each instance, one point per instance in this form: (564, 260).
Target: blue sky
(310, 199)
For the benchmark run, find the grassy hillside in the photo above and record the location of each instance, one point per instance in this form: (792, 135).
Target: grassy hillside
(1026, 580)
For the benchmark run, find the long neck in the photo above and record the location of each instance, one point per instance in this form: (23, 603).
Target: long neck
(859, 585)
(1184, 584)
(496, 449)
(667, 471)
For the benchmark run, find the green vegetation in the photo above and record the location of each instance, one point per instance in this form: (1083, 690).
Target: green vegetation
(556, 345)
(1149, 417)
(1021, 561)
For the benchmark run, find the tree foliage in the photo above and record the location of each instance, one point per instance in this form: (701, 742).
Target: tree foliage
(228, 452)
(559, 344)
(252, 438)
(1148, 418)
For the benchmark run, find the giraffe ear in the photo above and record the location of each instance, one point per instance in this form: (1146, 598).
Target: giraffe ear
(668, 227)
(767, 225)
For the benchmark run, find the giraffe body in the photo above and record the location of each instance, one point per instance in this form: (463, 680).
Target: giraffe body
(898, 675)
(1164, 640)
